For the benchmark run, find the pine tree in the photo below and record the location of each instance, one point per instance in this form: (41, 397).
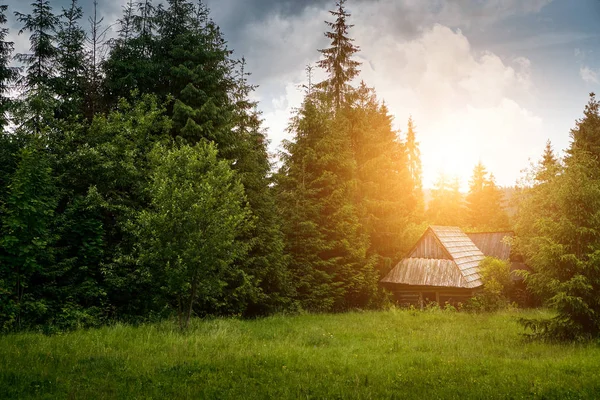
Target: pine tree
(563, 246)
(447, 205)
(327, 244)
(8, 74)
(70, 62)
(40, 66)
(414, 162)
(337, 61)
(549, 165)
(94, 59)
(386, 196)
(126, 22)
(484, 202)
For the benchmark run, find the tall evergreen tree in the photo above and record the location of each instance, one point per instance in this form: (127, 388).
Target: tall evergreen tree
(327, 244)
(549, 165)
(96, 42)
(70, 62)
(338, 59)
(485, 209)
(144, 22)
(447, 205)
(386, 195)
(40, 66)
(562, 247)
(189, 63)
(414, 161)
(126, 22)
(8, 73)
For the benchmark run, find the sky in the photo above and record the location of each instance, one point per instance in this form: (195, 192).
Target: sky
(484, 80)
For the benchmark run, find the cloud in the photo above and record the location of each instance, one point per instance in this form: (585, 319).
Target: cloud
(589, 75)
(466, 103)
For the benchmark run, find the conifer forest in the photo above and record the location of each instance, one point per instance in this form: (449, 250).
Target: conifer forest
(137, 185)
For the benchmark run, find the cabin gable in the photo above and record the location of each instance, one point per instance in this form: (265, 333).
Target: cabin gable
(429, 246)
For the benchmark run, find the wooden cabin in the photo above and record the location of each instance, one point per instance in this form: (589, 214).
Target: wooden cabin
(443, 267)
(497, 244)
(493, 244)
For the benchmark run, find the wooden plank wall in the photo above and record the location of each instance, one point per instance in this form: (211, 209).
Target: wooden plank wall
(429, 247)
(420, 296)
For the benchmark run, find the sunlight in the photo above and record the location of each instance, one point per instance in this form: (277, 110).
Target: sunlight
(453, 154)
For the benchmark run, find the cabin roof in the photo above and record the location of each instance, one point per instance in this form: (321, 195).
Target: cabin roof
(460, 270)
(463, 251)
(493, 244)
(426, 272)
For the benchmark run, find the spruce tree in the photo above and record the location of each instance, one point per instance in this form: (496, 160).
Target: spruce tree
(338, 59)
(563, 246)
(126, 22)
(326, 242)
(549, 165)
(262, 282)
(188, 64)
(386, 196)
(447, 205)
(8, 73)
(94, 58)
(485, 209)
(70, 82)
(40, 67)
(414, 162)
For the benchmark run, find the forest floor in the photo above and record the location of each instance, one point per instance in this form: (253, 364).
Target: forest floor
(360, 355)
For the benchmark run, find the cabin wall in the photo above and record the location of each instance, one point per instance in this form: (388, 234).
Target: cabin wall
(420, 296)
(429, 247)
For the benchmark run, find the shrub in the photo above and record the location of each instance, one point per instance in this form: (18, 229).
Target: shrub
(497, 286)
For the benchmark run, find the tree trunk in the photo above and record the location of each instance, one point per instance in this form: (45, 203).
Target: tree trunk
(191, 301)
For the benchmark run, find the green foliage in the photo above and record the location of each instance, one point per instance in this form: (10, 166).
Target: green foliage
(37, 111)
(327, 244)
(338, 59)
(447, 205)
(187, 238)
(484, 202)
(183, 57)
(497, 286)
(558, 230)
(26, 241)
(413, 154)
(70, 60)
(8, 73)
(387, 196)
(314, 356)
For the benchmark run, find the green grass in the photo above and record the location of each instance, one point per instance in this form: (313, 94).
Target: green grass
(370, 355)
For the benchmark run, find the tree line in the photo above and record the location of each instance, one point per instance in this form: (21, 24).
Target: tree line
(135, 181)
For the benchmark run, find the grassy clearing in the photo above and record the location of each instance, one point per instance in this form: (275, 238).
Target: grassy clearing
(391, 354)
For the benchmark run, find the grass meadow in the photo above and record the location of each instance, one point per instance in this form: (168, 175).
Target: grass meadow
(391, 354)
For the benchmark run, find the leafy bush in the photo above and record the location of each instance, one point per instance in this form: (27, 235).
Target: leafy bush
(497, 285)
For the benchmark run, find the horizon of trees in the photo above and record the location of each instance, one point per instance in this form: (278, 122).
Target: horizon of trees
(137, 185)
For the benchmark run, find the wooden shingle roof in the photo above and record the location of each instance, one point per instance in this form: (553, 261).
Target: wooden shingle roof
(463, 251)
(443, 256)
(426, 272)
(493, 244)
